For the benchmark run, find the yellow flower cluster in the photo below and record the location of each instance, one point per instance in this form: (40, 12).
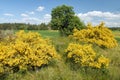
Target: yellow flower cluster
(28, 50)
(84, 55)
(99, 35)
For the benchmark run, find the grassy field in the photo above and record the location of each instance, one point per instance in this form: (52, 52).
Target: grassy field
(117, 35)
(47, 33)
(60, 70)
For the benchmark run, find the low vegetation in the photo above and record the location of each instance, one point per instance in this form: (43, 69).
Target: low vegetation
(25, 51)
(85, 56)
(99, 35)
(64, 49)
(63, 58)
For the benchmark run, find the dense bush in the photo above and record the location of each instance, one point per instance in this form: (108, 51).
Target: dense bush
(99, 35)
(85, 56)
(25, 51)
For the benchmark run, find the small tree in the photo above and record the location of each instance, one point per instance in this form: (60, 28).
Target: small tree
(64, 20)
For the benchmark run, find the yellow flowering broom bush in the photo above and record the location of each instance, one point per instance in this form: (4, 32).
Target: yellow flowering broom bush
(26, 51)
(85, 56)
(99, 35)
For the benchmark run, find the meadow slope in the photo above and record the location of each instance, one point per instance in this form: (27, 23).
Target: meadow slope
(61, 70)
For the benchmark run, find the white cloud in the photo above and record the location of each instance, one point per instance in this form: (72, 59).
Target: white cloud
(9, 20)
(111, 19)
(40, 8)
(32, 12)
(8, 14)
(47, 18)
(24, 15)
(31, 20)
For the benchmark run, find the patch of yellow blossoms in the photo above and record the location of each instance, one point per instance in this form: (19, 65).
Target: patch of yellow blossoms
(26, 51)
(84, 55)
(99, 35)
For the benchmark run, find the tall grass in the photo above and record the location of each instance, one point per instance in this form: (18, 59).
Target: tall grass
(62, 70)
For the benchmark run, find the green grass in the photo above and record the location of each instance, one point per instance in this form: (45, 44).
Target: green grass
(60, 70)
(117, 35)
(47, 33)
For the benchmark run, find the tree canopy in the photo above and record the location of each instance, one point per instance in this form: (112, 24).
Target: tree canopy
(64, 20)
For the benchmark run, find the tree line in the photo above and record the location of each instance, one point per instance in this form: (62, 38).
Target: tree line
(24, 26)
(115, 28)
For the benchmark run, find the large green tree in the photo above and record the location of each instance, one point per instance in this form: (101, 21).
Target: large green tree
(64, 20)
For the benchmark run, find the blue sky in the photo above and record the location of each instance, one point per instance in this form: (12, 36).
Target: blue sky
(38, 11)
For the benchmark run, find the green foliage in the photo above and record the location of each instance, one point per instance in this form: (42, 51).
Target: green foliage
(64, 20)
(42, 26)
(23, 26)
